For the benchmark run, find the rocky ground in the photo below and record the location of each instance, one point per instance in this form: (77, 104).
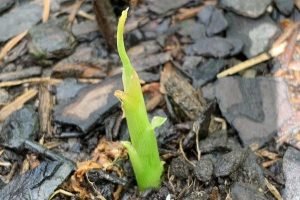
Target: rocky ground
(225, 73)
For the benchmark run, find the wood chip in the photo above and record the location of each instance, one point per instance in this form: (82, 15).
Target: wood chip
(46, 11)
(31, 81)
(275, 51)
(11, 44)
(17, 104)
(75, 9)
(45, 108)
(273, 190)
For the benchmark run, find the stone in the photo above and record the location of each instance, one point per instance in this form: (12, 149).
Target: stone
(213, 19)
(6, 4)
(15, 21)
(207, 71)
(256, 35)
(51, 40)
(67, 90)
(212, 47)
(204, 170)
(21, 125)
(285, 6)
(179, 168)
(192, 29)
(38, 183)
(162, 7)
(4, 97)
(242, 191)
(252, 9)
(214, 142)
(255, 107)
(291, 170)
(228, 163)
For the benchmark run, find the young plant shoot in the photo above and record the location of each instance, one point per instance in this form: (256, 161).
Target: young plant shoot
(142, 150)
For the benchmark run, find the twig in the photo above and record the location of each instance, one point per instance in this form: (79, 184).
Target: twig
(11, 44)
(46, 11)
(30, 80)
(276, 51)
(74, 11)
(183, 153)
(273, 190)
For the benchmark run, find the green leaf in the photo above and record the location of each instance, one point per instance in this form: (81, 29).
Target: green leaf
(157, 121)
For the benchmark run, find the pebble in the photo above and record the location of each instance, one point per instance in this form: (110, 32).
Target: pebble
(285, 6)
(252, 9)
(179, 168)
(213, 19)
(6, 4)
(4, 97)
(256, 35)
(162, 7)
(204, 170)
(214, 142)
(291, 170)
(15, 21)
(51, 40)
(213, 47)
(243, 191)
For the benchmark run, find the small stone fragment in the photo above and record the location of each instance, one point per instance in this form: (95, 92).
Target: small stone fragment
(229, 163)
(6, 4)
(202, 195)
(252, 9)
(285, 6)
(291, 170)
(38, 183)
(4, 97)
(215, 47)
(15, 22)
(179, 168)
(191, 28)
(214, 142)
(162, 7)
(204, 170)
(19, 126)
(242, 191)
(213, 19)
(207, 71)
(50, 40)
(256, 35)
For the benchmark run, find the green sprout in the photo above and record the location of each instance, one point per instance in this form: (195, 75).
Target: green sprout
(143, 150)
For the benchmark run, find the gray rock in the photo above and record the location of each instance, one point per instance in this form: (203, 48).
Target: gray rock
(285, 6)
(291, 170)
(51, 40)
(253, 8)
(256, 108)
(67, 90)
(229, 163)
(6, 4)
(191, 28)
(215, 47)
(179, 168)
(213, 19)
(204, 170)
(19, 126)
(242, 191)
(207, 71)
(38, 183)
(250, 172)
(15, 21)
(256, 35)
(162, 7)
(4, 97)
(214, 142)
